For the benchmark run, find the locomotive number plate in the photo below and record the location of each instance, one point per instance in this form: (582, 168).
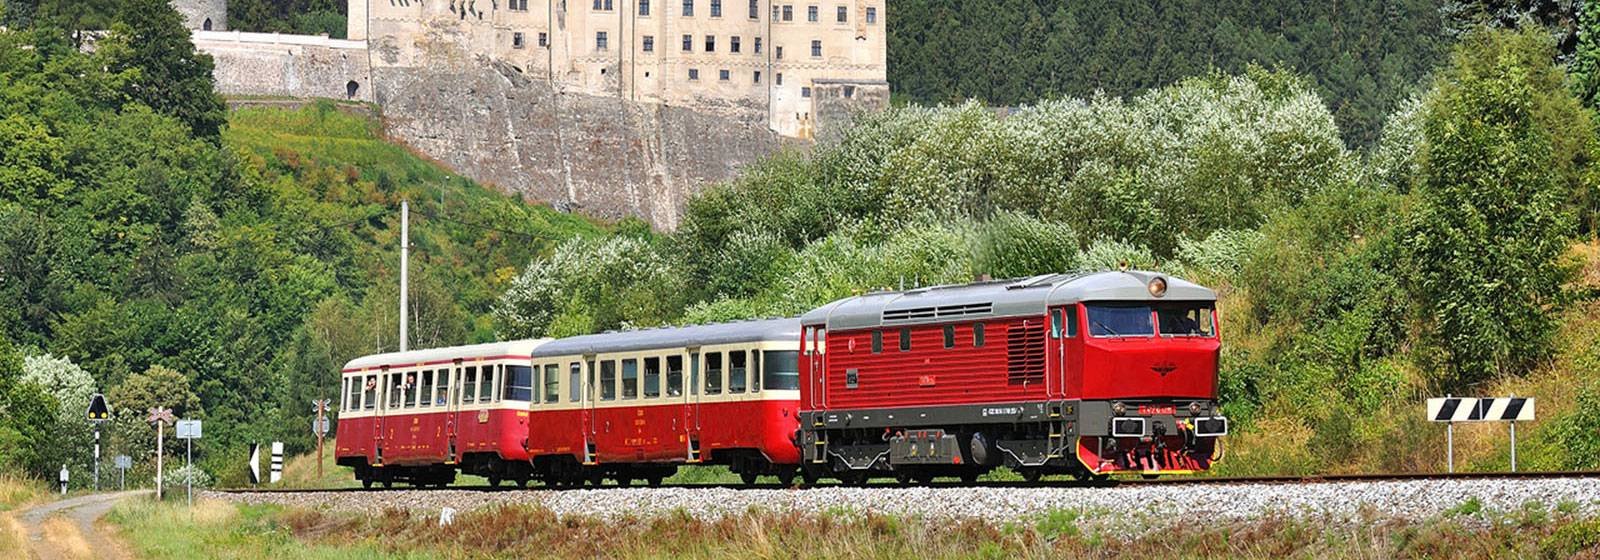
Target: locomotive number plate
(1152, 410)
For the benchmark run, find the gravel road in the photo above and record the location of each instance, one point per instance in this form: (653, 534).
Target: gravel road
(1142, 505)
(78, 537)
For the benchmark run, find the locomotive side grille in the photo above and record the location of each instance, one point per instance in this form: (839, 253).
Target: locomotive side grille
(1025, 353)
(941, 312)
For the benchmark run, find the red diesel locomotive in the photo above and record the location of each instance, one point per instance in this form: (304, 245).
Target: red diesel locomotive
(1080, 374)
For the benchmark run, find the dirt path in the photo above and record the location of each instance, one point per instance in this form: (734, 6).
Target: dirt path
(66, 530)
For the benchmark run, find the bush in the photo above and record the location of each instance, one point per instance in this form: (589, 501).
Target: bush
(180, 477)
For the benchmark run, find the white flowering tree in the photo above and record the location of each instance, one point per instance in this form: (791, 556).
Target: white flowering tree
(71, 440)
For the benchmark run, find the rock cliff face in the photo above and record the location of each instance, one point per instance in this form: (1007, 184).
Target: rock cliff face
(604, 156)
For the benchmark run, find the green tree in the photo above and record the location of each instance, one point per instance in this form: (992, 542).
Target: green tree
(1504, 145)
(171, 77)
(69, 438)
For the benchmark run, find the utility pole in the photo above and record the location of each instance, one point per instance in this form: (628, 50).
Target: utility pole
(405, 266)
(160, 416)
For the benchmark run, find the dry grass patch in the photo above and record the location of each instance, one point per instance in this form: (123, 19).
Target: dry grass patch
(66, 537)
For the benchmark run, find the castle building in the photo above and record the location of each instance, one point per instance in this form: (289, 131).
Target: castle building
(203, 15)
(740, 56)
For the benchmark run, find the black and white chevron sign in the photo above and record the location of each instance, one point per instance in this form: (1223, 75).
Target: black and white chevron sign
(1497, 409)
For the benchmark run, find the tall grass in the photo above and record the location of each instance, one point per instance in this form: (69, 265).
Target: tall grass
(215, 529)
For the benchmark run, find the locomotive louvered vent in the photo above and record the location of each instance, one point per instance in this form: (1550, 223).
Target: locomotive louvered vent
(1025, 353)
(941, 312)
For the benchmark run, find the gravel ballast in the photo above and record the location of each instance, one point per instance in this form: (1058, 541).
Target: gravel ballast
(1327, 501)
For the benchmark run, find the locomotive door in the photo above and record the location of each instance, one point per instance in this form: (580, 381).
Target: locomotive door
(1062, 327)
(380, 388)
(691, 409)
(812, 340)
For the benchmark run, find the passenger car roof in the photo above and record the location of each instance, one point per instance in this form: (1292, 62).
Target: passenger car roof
(673, 337)
(522, 347)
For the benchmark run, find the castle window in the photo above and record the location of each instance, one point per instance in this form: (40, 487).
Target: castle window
(688, 43)
(774, 12)
(811, 14)
(694, 74)
(758, 76)
(649, 43)
(755, 9)
(722, 75)
(788, 12)
(843, 14)
(716, 8)
(758, 45)
(644, 8)
(872, 16)
(206, 26)
(806, 92)
(780, 78)
(602, 5)
(518, 5)
(733, 44)
(517, 41)
(600, 40)
(816, 49)
(779, 52)
(711, 43)
(544, 39)
(688, 8)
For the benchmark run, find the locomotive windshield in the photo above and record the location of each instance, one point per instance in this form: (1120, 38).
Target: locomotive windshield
(1186, 320)
(1120, 320)
(782, 369)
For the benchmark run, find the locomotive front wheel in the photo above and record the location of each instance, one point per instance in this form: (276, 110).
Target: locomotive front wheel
(809, 477)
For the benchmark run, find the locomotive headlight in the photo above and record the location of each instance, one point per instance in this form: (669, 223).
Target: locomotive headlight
(1118, 408)
(1157, 286)
(1194, 408)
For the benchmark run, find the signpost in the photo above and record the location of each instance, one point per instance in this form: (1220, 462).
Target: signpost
(277, 462)
(189, 430)
(255, 464)
(1450, 410)
(160, 417)
(319, 427)
(98, 413)
(123, 463)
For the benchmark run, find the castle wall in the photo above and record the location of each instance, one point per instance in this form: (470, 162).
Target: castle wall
(269, 64)
(203, 15)
(602, 155)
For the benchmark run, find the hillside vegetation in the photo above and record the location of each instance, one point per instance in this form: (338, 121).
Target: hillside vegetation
(1445, 260)
(162, 251)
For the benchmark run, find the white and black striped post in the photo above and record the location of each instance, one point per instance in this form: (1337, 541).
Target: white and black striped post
(1451, 409)
(277, 462)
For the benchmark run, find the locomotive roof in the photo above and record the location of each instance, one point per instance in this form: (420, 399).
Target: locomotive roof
(522, 347)
(999, 298)
(674, 337)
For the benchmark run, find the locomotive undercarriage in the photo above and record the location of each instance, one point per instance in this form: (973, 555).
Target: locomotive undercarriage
(1035, 439)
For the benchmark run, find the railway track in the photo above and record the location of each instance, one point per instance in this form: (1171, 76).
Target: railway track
(1048, 483)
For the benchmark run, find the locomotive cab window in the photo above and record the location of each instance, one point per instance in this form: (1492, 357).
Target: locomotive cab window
(1057, 324)
(1186, 320)
(518, 383)
(782, 369)
(736, 371)
(552, 383)
(630, 379)
(714, 373)
(1106, 320)
(608, 380)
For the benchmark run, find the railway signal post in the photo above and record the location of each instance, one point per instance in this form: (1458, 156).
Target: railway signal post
(160, 417)
(98, 413)
(1450, 410)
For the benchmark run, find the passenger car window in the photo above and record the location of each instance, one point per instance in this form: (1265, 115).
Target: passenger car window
(674, 376)
(782, 369)
(469, 385)
(369, 395)
(714, 373)
(630, 378)
(736, 371)
(575, 382)
(608, 380)
(486, 379)
(519, 383)
(652, 378)
(552, 383)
